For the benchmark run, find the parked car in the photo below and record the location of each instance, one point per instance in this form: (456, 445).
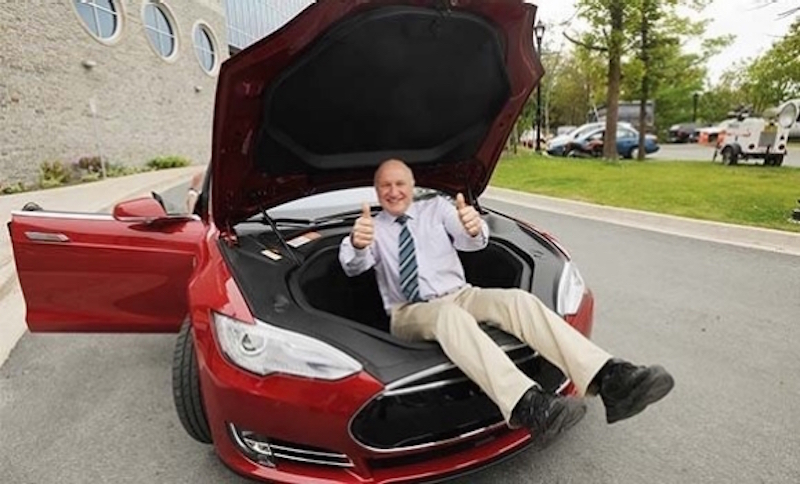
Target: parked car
(590, 144)
(282, 362)
(557, 145)
(562, 130)
(527, 138)
(712, 135)
(683, 133)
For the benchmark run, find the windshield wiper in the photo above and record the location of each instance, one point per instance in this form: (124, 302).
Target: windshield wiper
(308, 223)
(288, 248)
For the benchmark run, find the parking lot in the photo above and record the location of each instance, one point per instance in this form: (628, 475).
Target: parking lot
(695, 152)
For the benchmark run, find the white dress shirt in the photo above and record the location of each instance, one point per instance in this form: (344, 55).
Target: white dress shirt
(438, 233)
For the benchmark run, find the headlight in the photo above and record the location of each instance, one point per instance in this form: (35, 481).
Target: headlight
(570, 290)
(264, 349)
(788, 115)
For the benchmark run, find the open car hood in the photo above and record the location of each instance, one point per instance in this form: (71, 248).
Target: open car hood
(320, 103)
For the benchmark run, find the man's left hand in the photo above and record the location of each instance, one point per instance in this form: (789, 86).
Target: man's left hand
(470, 218)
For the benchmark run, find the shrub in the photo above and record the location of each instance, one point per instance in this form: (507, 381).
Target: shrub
(53, 174)
(163, 162)
(90, 177)
(114, 170)
(90, 164)
(18, 187)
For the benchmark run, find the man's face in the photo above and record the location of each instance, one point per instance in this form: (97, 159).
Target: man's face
(394, 185)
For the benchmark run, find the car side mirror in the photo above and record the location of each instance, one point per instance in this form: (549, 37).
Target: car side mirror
(147, 211)
(144, 209)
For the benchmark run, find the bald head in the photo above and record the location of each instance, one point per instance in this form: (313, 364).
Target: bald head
(393, 165)
(394, 184)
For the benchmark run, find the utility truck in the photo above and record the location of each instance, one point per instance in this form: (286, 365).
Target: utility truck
(764, 138)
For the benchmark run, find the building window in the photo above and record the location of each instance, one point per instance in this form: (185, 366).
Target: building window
(160, 31)
(100, 17)
(205, 47)
(251, 20)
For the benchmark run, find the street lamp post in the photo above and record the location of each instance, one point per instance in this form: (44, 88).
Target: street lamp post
(538, 32)
(695, 96)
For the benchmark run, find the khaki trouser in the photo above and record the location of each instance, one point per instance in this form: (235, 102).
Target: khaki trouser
(452, 321)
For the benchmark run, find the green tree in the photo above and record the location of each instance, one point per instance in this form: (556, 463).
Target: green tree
(662, 70)
(577, 88)
(727, 94)
(653, 63)
(775, 76)
(607, 34)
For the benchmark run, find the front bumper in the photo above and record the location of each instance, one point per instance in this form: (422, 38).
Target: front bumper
(309, 431)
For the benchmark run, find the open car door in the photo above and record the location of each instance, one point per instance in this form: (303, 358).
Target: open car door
(126, 272)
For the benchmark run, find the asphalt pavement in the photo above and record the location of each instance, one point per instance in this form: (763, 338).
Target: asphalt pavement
(698, 152)
(716, 304)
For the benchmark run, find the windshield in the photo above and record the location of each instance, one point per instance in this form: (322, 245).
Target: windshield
(321, 205)
(584, 130)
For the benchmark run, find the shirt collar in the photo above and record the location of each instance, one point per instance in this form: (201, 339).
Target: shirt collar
(411, 213)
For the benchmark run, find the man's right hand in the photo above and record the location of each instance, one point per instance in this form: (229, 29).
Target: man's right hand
(364, 229)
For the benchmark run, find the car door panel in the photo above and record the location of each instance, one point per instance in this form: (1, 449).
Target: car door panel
(92, 273)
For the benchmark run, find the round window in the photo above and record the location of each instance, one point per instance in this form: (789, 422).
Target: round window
(160, 31)
(204, 47)
(100, 17)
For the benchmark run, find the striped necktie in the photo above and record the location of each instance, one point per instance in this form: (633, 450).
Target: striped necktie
(409, 282)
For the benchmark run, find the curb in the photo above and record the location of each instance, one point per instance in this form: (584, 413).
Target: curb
(737, 235)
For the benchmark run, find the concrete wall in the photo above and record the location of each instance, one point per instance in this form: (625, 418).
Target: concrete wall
(146, 106)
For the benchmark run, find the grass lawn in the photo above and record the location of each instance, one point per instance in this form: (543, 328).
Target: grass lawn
(746, 195)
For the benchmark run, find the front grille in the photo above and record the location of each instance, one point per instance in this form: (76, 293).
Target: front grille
(309, 455)
(389, 462)
(441, 406)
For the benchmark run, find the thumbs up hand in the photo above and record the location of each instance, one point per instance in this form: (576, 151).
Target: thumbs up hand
(364, 229)
(470, 218)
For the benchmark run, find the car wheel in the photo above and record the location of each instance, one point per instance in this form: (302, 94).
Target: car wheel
(774, 160)
(729, 156)
(186, 387)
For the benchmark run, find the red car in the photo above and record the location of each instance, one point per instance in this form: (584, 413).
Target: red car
(282, 362)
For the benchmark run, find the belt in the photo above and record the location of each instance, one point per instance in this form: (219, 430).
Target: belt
(445, 294)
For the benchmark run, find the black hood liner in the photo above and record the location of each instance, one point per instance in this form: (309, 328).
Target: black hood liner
(415, 83)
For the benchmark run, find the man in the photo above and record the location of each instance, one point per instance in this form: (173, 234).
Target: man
(193, 193)
(412, 246)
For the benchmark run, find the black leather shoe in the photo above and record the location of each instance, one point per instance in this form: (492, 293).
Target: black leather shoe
(546, 415)
(627, 389)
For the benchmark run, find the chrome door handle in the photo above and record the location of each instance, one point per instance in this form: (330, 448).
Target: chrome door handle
(46, 237)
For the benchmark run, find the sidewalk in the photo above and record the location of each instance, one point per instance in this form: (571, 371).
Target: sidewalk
(87, 197)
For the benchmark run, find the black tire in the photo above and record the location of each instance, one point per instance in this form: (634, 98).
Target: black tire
(774, 160)
(729, 156)
(186, 387)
